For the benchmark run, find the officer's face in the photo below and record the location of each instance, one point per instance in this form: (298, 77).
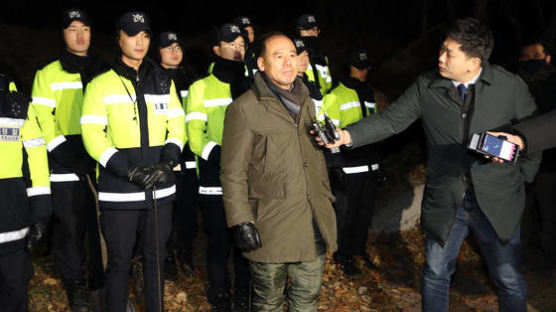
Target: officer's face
(134, 48)
(455, 64)
(302, 62)
(311, 32)
(77, 37)
(233, 51)
(279, 61)
(171, 56)
(534, 52)
(250, 33)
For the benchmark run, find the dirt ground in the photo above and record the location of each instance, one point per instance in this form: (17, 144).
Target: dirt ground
(395, 286)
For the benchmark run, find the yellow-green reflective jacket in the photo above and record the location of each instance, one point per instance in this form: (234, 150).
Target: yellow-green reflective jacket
(123, 128)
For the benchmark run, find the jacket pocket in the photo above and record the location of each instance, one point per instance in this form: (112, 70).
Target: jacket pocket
(254, 204)
(266, 190)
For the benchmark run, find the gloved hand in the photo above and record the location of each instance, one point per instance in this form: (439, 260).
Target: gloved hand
(143, 176)
(246, 236)
(162, 171)
(38, 235)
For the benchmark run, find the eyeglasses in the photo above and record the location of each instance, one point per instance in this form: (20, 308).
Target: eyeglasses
(172, 49)
(235, 45)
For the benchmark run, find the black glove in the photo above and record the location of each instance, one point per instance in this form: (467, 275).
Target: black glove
(143, 176)
(38, 235)
(246, 236)
(162, 172)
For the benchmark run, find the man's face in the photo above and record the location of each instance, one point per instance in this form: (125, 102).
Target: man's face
(312, 32)
(233, 51)
(134, 48)
(453, 63)
(302, 62)
(250, 33)
(171, 56)
(534, 52)
(279, 61)
(77, 37)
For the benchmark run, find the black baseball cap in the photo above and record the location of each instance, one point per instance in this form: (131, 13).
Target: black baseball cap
(229, 32)
(359, 59)
(243, 21)
(299, 45)
(307, 21)
(167, 38)
(133, 23)
(74, 15)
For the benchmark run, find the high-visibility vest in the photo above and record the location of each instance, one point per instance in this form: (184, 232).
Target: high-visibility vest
(24, 183)
(206, 105)
(115, 126)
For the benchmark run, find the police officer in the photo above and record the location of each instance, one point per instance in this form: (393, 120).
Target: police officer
(25, 191)
(318, 71)
(205, 107)
(302, 65)
(354, 173)
(57, 98)
(250, 59)
(133, 125)
(170, 54)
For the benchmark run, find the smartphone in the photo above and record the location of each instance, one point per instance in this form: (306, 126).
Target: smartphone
(494, 146)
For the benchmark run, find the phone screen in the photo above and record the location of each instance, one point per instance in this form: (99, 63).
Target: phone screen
(498, 147)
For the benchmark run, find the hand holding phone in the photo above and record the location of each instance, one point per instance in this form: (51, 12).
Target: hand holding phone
(495, 146)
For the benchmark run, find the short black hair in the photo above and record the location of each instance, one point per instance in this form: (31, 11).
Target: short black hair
(535, 40)
(260, 47)
(475, 38)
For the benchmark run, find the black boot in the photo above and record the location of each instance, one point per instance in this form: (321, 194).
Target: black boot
(185, 261)
(241, 300)
(367, 260)
(347, 264)
(220, 301)
(78, 297)
(171, 271)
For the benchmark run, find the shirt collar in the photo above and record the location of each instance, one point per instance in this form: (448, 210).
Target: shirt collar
(470, 82)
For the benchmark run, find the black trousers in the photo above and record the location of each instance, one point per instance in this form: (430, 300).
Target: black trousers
(219, 236)
(543, 189)
(355, 202)
(75, 221)
(184, 220)
(122, 229)
(16, 271)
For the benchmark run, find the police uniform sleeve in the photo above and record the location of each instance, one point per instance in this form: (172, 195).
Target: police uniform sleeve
(44, 102)
(332, 108)
(196, 123)
(175, 126)
(38, 188)
(94, 121)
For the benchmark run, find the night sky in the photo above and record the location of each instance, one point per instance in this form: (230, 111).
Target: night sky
(387, 29)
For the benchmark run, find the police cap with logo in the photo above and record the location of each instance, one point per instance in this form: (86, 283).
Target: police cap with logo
(167, 38)
(229, 32)
(307, 21)
(299, 45)
(243, 21)
(359, 59)
(133, 23)
(74, 15)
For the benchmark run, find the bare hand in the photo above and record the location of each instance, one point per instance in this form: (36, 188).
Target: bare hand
(510, 138)
(345, 138)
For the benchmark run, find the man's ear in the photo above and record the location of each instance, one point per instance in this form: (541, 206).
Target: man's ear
(216, 50)
(260, 63)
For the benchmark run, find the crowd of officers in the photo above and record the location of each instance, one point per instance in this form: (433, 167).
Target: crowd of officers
(120, 170)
